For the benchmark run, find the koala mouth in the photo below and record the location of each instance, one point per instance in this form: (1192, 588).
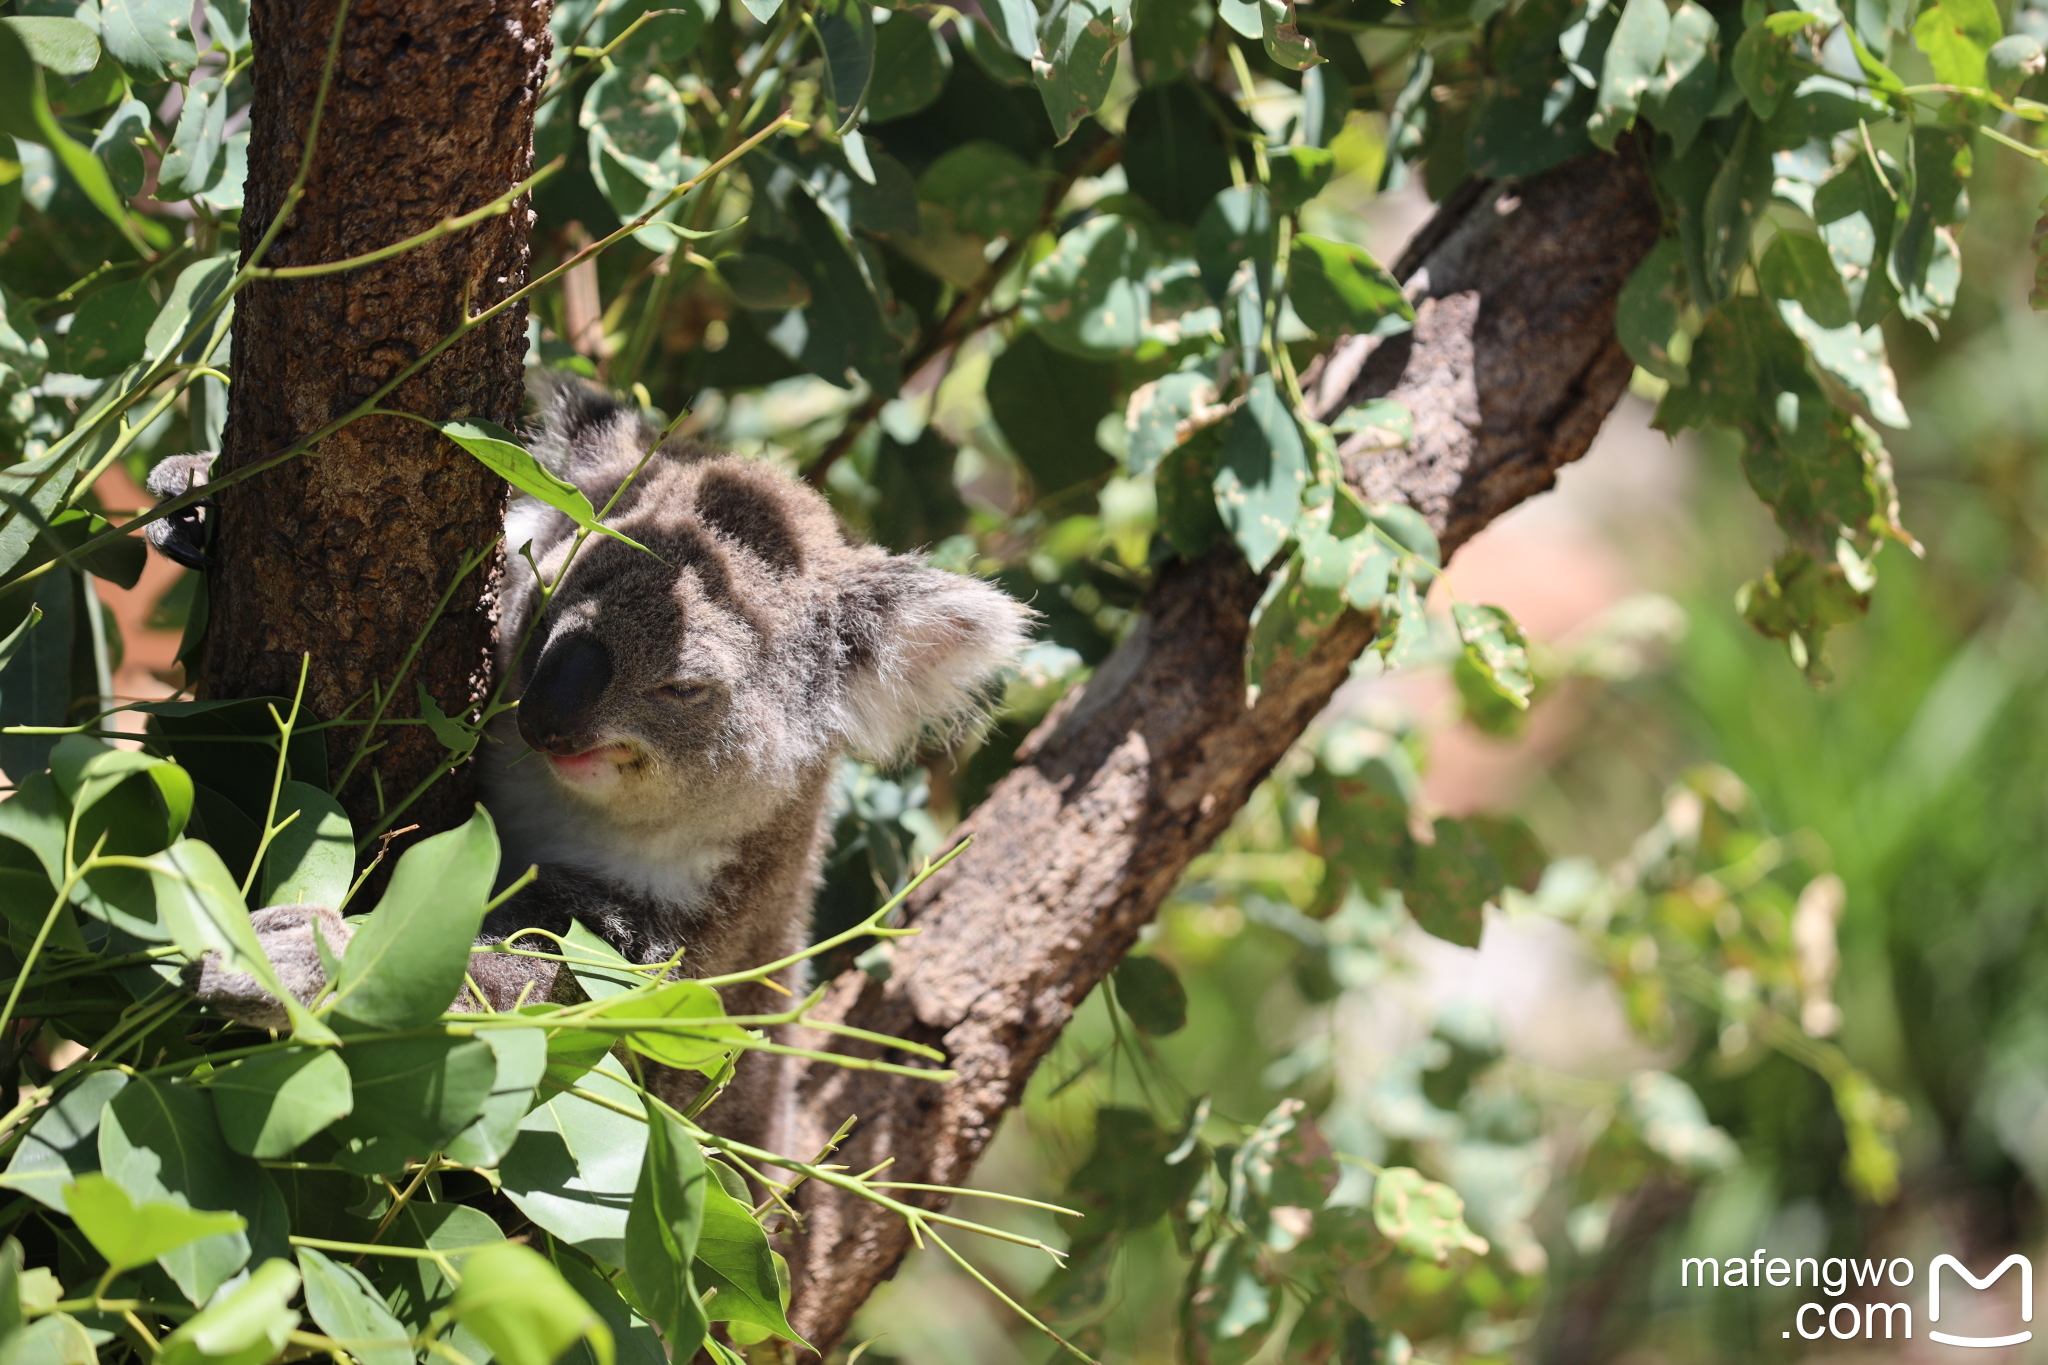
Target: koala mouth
(593, 765)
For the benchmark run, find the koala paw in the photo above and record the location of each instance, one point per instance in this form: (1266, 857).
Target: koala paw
(181, 536)
(286, 933)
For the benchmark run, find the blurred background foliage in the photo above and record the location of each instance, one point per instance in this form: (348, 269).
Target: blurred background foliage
(1910, 796)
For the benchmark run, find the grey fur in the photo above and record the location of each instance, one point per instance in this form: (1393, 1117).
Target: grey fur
(286, 933)
(717, 680)
(181, 536)
(704, 828)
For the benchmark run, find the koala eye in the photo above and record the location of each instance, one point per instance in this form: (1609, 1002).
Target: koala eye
(686, 690)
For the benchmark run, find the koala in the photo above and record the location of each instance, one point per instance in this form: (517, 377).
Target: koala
(681, 713)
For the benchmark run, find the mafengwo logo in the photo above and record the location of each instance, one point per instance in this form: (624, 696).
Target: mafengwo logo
(1878, 1311)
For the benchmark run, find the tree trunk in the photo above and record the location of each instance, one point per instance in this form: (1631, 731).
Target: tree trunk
(343, 553)
(1510, 370)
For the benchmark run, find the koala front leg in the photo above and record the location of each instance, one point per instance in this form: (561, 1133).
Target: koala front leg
(286, 935)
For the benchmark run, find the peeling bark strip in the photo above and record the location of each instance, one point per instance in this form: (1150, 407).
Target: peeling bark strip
(431, 115)
(1510, 370)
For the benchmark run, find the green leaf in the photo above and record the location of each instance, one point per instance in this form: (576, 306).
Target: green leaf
(418, 1289)
(347, 1307)
(127, 1235)
(1422, 1217)
(494, 447)
(1047, 404)
(1186, 485)
(1856, 213)
(1798, 272)
(270, 1103)
(763, 282)
(846, 35)
(312, 860)
(201, 906)
(1299, 174)
(1290, 617)
(1740, 192)
(1076, 61)
(1496, 647)
(247, 1327)
(1647, 315)
(412, 1096)
(1449, 882)
(407, 959)
(25, 113)
(1925, 266)
(911, 62)
(58, 1339)
(634, 1337)
(575, 1165)
(160, 1143)
(1765, 67)
(1160, 416)
(64, 46)
(1634, 62)
(1088, 298)
(1237, 233)
(1514, 847)
(1166, 38)
(107, 332)
(199, 284)
(1338, 288)
(1957, 35)
(733, 1257)
(2012, 62)
(105, 85)
(152, 38)
(520, 1306)
(663, 1229)
(843, 333)
(1263, 472)
(1175, 154)
(194, 162)
(1679, 100)
(1283, 40)
(1150, 992)
(990, 190)
(600, 969)
(522, 1058)
(63, 1143)
(707, 1041)
(87, 771)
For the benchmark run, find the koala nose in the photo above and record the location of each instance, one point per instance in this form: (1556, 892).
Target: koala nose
(560, 703)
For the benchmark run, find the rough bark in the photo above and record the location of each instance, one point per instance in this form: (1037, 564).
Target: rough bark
(1510, 370)
(343, 553)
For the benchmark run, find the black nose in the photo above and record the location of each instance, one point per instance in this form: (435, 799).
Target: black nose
(558, 710)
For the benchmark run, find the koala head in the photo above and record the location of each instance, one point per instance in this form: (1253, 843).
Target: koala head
(705, 683)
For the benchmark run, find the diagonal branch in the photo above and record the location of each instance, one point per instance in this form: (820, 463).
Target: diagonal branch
(1509, 372)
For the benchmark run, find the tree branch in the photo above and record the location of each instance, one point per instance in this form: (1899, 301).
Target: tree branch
(1510, 370)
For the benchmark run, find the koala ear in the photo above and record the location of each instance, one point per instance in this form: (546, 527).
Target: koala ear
(923, 650)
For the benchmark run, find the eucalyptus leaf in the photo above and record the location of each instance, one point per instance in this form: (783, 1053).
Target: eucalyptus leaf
(662, 1232)
(1262, 475)
(575, 1165)
(406, 962)
(495, 448)
(348, 1308)
(270, 1103)
(412, 1097)
(520, 1307)
(129, 1235)
(312, 860)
